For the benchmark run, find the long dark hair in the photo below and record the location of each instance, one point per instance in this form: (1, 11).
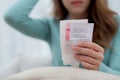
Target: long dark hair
(103, 17)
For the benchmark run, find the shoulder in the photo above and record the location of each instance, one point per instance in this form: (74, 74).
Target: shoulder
(117, 35)
(117, 17)
(116, 39)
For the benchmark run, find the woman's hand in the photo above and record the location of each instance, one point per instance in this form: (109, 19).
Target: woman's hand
(89, 54)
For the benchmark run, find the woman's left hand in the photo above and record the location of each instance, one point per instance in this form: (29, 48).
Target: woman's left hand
(89, 54)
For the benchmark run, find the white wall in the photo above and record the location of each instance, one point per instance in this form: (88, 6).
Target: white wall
(115, 5)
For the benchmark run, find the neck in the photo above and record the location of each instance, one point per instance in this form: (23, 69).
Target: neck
(80, 16)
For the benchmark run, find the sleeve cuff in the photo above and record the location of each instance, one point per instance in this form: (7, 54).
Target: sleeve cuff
(103, 68)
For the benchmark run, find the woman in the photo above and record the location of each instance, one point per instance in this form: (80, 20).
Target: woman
(102, 54)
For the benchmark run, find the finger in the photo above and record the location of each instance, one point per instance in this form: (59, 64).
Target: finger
(87, 59)
(91, 45)
(89, 52)
(89, 66)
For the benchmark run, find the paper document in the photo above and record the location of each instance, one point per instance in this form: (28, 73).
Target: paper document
(71, 33)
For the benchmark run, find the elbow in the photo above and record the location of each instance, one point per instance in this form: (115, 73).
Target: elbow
(8, 17)
(12, 18)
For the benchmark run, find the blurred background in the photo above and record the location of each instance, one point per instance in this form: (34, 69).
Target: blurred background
(19, 52)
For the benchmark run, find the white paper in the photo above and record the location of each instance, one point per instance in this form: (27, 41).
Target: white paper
(72, 32)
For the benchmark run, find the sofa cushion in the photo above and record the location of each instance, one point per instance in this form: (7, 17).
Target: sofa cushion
(62, 73)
